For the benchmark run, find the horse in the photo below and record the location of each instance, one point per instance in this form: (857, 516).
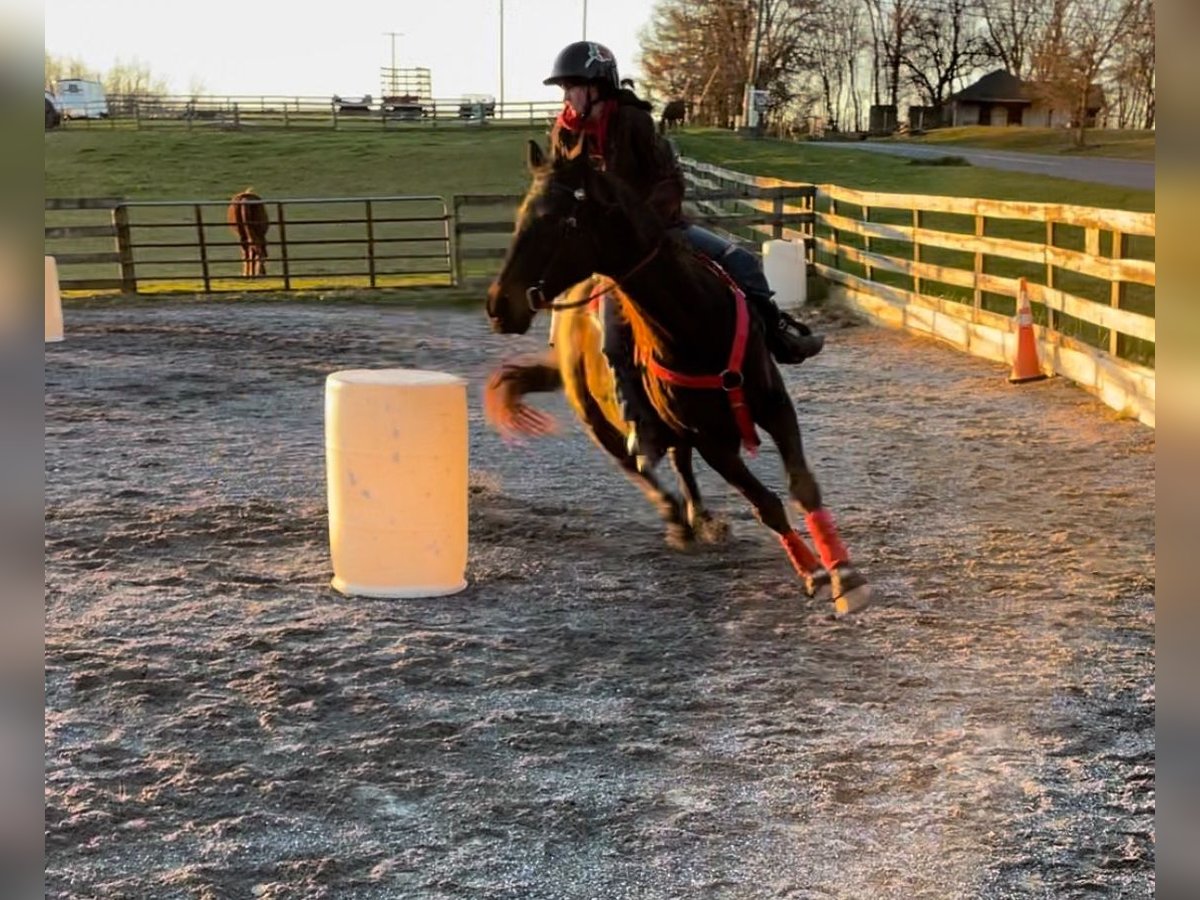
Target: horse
(581, 233)
(673, 115)
(247, 216)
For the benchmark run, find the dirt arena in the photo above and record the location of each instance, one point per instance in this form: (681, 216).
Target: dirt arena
(596, 716)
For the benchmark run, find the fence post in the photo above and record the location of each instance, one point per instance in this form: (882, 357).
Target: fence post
(777, 213)
(370, 244)
(456, 263)
(137, 114)
(120, 217)
(980, 230)
(837, 249)
(869, 269)
(285, 114)
(1120, 248)
(916, 250)
(237, 118)
(203, 250)
(283, 248)
(1050, 231)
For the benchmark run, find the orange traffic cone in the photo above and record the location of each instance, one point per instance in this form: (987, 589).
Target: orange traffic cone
(1026, 366)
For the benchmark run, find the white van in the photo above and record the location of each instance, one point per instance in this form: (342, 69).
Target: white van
(81, 99)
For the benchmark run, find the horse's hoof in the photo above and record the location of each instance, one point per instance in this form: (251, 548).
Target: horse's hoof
(680, 536)
(818, 586)
(851, 593)
(710, 529)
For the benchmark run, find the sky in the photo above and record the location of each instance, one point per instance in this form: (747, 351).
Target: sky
(304, 48)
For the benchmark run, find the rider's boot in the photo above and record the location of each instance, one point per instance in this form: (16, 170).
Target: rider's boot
(789, 340)
(648, 438)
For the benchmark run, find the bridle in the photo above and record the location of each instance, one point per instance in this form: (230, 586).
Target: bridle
(535, 294)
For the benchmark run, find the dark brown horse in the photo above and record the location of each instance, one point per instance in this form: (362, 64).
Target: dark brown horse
(247, 216)
(673, 115)
(708, 372)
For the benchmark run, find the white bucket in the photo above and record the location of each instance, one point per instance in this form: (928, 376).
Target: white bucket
(786, 271)
(54, 319)
(396, 467)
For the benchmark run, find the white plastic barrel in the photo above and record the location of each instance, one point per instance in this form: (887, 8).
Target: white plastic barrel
(786, 271)
(54, 319)
(396, 467)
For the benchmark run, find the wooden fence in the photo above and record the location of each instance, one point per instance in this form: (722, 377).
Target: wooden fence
(237, 112)
(730, 204)
(950, 267)
(186, 246)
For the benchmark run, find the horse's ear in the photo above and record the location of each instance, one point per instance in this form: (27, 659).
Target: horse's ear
(535, 158)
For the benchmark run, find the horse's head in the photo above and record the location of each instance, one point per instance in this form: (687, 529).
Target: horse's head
(565, 230)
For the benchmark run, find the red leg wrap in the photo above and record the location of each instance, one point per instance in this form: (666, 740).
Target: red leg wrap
(826, 538)
(802, 558)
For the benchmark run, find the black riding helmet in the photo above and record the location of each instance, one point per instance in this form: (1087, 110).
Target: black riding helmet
(585, 61)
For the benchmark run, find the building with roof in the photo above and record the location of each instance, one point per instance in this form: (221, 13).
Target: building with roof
(1001, 98)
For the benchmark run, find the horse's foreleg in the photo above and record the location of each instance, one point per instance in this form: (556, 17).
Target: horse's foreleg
(679, 530)
(768, 508)
(707, 528)
(503, 406)
(848, 586)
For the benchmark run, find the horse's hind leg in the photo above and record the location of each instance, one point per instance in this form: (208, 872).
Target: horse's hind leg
(708, 529)
(848, 586)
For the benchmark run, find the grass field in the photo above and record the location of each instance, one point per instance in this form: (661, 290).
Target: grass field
(894, 174)
(213, 165)
(205, 165)
(1119, 144)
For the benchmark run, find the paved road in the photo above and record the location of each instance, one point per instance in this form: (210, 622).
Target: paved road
(1120, 172)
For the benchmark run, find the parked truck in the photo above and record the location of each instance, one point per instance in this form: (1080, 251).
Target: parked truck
(80, 98)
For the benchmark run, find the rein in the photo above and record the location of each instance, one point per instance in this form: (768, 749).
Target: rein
(538, 301)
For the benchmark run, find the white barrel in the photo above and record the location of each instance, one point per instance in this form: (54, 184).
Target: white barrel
(786, 271)
(54, 320)
(396, 467)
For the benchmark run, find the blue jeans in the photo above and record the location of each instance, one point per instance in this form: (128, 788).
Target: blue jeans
(742, 265)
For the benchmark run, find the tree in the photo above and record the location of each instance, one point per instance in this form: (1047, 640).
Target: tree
(1077, 44)
(892, 23)
(1133, 70)
(59, 68)
(946, 45)
(1011, 29)
(133, 78)
(834, 44)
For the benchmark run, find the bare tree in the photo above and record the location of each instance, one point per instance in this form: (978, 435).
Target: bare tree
(1133, 70)
(704, 49)
(946, 45)
(892, 24)
(1011, 27)
(834, 45)
(59, 67)
(1077, 44)
(133, 78)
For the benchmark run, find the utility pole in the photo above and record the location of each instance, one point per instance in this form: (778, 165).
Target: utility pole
(392, 72)
(585, 20)
(500, 108)
(752, 82)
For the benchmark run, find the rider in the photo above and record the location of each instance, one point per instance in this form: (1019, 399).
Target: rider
(621, 137)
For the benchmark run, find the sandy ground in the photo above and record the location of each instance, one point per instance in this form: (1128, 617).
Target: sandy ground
(595, 716)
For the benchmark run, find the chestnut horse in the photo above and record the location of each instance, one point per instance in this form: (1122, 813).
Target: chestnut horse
(247, 216)
(708, 372)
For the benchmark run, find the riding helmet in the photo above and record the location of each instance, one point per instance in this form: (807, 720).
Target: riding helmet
(585, 61)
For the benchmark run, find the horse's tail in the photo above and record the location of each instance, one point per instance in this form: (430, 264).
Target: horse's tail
(503, 406)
